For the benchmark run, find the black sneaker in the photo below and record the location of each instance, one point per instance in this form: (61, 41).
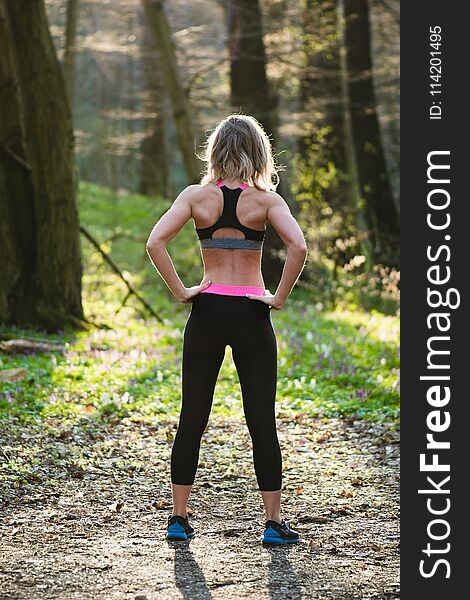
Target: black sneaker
(276, 533)
(179, 528)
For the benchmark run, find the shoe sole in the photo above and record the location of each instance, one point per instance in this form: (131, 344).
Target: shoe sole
(179, 536)
(270, 540)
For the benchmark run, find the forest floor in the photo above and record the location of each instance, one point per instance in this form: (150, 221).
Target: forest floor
(101, 534)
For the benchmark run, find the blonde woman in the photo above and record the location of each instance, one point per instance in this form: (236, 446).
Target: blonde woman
(231, 306)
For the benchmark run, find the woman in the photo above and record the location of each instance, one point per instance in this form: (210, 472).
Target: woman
(230, 208)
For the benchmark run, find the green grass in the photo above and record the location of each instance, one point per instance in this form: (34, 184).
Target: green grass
(336, 363)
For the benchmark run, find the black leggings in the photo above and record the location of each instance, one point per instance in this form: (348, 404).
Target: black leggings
(216, 321)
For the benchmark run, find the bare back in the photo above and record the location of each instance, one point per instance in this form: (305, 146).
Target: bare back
(236, 263)
(231, 266)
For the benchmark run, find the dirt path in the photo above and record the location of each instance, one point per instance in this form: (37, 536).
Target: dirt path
(100, 533)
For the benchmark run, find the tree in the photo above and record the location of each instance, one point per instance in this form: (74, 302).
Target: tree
(154, 169)
(249, 86)
(40, 270)
(251, 94)
(374, 187)
(321, 179)
(70, 49)
(181, 111)
(351, 162)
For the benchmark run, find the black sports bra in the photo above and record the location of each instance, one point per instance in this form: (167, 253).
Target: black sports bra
(253, 237)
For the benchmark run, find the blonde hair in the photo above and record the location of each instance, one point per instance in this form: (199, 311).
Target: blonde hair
(239, 148)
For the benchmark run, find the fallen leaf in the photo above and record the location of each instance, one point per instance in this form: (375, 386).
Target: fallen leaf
(357, 481)
(76, 470)
(161, 504)
(313, 519)
(117, 506)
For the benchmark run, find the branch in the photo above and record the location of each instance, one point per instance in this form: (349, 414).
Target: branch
(193, 79)
(119, 273)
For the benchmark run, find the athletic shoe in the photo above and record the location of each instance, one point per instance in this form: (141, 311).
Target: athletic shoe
(276, 533)
(179, 528)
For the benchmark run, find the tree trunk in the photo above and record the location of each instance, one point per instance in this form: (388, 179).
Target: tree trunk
(249, 87)
(70, 50)
(181, 111)
(154, 169)
(37, 177)
(375, 189)
(250, 94)
(351, 161)
(17, 195)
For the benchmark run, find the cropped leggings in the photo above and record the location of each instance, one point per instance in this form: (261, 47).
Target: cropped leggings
(216, 321)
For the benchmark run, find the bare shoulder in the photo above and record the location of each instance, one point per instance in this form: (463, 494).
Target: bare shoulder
(267, 198)
(190, 192)
(189, 196)
(275, 199)
(280, 216)
(275, 204)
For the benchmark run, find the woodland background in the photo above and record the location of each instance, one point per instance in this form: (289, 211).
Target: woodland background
(146, 82)
(103, 105)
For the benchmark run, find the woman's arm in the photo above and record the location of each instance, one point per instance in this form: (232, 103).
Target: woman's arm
(165, 230)
(280, 217)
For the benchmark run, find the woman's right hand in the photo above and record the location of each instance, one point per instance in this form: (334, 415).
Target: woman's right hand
(190, 292)
(270, 299)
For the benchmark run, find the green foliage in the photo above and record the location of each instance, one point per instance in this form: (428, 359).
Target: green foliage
(341, 362)
(337, 271)
(331, 362)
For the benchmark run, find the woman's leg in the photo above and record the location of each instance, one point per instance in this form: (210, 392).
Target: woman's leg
(255, 355)
(203, 353)
(272, 505)
(180, 495)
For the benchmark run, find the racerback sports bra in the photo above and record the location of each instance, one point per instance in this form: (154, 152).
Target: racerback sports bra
(253, 237)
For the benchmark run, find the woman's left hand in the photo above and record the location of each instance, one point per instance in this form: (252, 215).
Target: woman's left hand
(268, 299)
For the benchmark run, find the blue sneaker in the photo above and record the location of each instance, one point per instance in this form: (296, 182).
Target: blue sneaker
(179, 528)
(276, 533)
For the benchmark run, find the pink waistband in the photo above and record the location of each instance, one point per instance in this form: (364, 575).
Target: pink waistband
(233, 290)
